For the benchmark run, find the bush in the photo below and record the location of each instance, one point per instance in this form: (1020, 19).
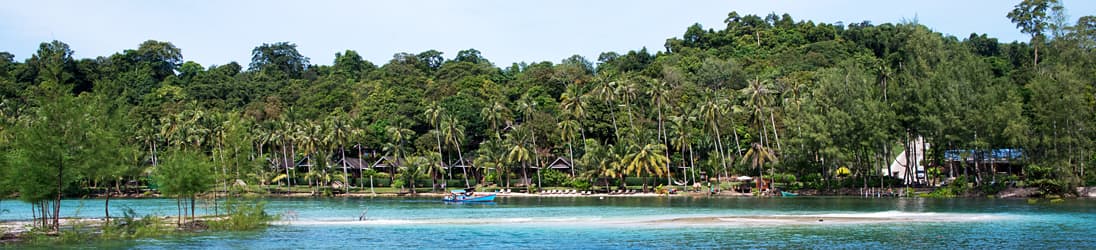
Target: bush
(581, 184)
(1044, 178)
(243, 216)
(129, 226)
(554, 178)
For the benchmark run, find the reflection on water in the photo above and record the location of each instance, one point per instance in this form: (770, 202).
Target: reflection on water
(640, 222)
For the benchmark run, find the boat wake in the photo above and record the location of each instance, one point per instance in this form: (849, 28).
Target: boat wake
(674, 220)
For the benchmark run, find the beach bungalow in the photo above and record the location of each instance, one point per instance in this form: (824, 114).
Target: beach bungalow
(562, 164)
(965, 161)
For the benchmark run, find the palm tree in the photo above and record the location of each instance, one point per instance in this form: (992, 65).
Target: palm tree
(398, 137)
(411, 168)
(629, 92)
(338, 134)
(681, 137)
(309, 137)
(528, 107)
(610, 165)
(573, 106)
(497, 113)
(657, 90)
(491, 155)
(516, 150)
(758, 98)
(605, 90)
(434, 170)
(646, 161)
(567, 129)
(758, 155)
(712, 109)
(433, 114)
(454, 134)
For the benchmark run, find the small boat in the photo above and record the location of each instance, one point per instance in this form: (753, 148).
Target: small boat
(467, 195)
(788, 194)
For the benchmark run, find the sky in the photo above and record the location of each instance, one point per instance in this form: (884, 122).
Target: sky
(215, 32)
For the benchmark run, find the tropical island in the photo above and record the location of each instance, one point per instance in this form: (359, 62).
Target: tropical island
(762, 105)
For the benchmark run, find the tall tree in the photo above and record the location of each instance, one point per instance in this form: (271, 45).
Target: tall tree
(1030, 16)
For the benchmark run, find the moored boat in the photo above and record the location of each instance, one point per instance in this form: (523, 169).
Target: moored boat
(467, 195)
(788, 194)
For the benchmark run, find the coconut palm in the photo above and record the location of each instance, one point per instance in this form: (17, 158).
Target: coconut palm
(397, 144)
(758, 155)
(758, 95)
(433, 114)
(412, 168)
(339, 131)
(712, 109)
(454, 135)
(605, 90)
(434, 169)
(681, 137)
(657, 90)
(309, 142)
(646, 160)
(496, 114)
(573, 105)
(528, 107)
(491, 155)
(517, 152)
(567, 129)
(628, 91)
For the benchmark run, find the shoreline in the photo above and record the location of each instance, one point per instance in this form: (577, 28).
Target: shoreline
(1011, 193)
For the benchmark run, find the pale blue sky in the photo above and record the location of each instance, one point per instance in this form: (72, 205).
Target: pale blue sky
(217, 32)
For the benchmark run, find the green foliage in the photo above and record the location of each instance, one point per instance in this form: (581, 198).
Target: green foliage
(830, 103)
(131, 226)
(1046, 180)
(555, 178)
(243, 215)
(581, 184)
(184, 174)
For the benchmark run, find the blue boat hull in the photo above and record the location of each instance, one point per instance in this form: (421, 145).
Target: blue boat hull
(787, 194)
(461, 198)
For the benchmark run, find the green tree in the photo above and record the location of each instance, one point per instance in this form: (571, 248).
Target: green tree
(645, 161)
(184, 174)
(1030, 16)
(278, 58)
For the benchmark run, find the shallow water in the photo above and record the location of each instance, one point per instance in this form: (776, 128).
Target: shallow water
(636, 222)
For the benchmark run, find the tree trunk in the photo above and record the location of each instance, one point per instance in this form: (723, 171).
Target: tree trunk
(346, 175)
(285, 160)
(776, 135)
(192, 207)
(524, 174)
(179, 211)
(571, 154)
(441, 156)
(60, 188)
(106, 207)
(464, 168)
(612, 113)
(536, 157)
(722, 155)
(692, 163)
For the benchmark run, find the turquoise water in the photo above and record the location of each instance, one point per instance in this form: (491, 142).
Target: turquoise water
(638, 223)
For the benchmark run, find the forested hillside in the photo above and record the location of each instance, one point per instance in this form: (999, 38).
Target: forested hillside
(817, 103)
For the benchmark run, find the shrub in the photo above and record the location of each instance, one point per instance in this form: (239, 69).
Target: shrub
(554, 178)
(243, 216)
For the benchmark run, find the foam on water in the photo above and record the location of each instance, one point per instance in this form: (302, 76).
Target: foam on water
(690, 220)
